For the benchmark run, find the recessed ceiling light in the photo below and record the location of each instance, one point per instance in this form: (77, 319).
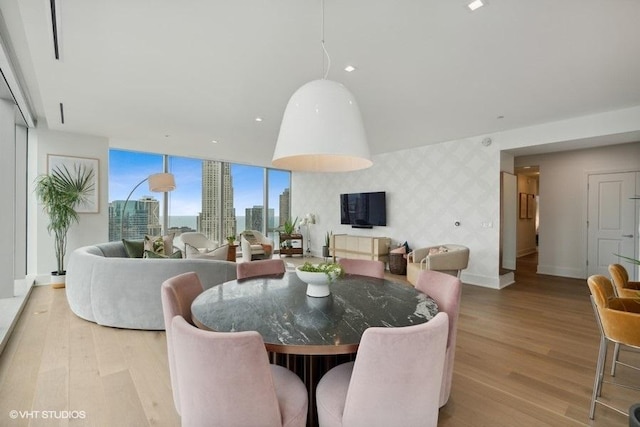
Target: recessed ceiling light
(475, 4)
(349, 68)
(214, 141)
(258, 119)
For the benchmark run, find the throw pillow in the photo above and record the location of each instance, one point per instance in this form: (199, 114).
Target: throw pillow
(267, 249)
(400, 250)
(190, 250)
(159, 244)
(151, 254)
(439, 250)
(134, 248)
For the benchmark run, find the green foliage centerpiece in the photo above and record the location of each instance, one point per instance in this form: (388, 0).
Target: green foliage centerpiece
(318, 276)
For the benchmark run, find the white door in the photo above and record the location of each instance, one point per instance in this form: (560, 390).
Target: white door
(611, 222)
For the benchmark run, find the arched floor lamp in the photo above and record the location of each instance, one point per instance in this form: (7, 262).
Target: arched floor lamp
(158, 183)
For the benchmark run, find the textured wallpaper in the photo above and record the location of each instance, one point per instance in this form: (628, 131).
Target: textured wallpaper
(428, 190)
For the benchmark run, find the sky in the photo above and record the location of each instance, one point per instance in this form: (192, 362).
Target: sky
(128, 168)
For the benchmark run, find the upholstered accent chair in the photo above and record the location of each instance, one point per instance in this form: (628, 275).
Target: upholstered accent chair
(394, 381)
(619, 322)
(446, 291)
(363, 267)
(231, 382)
(263, 267)
(624, 288)
(177, 295)
(255, 245)
(449, 258)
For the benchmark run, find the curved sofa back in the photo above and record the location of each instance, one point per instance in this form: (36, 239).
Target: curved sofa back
(106, 287)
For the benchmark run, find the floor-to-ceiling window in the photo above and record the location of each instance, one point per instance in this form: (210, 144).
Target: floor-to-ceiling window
(248, 198)
(186, 201)
(279, 200)
(218, 199)
(134, 210)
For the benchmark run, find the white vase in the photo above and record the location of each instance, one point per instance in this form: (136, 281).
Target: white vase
(317, 283)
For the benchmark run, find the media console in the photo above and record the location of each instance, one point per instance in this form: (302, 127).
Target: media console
(360, 247)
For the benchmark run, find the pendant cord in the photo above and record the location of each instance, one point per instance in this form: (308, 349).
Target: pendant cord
(325, 72)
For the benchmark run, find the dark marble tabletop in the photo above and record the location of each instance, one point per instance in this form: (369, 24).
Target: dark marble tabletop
(294, 323)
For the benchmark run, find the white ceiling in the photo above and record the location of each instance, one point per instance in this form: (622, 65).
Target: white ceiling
(175, 75)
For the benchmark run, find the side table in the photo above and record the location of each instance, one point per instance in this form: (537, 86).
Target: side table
(231, 253)
(291, 250)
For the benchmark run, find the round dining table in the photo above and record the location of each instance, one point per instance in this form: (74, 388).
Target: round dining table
(291, 322)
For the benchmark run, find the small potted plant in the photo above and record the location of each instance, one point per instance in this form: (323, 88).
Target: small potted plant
(289, 227)
(231, 240)
(60, 192)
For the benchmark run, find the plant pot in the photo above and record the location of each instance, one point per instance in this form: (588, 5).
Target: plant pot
(58, 279)
(325, 251)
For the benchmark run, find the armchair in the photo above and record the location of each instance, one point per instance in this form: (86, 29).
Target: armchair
(197, 245)
(449, 258)
(255, 245)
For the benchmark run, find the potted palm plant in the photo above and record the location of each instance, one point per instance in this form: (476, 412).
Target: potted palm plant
(60, 192)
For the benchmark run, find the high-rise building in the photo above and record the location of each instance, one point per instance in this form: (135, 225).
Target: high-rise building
(140, 217)
(253, 219)
(285, 207)
(218, 217)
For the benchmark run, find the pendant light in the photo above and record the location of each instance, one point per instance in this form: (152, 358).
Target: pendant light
(322, 130)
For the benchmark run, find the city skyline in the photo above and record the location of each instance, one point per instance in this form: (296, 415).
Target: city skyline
(128, 168)
(202, 188)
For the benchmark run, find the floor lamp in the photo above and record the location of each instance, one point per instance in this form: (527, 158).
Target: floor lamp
(308, 220)
(158, 183)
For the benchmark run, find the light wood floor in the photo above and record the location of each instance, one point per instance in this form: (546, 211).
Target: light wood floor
(525, 357)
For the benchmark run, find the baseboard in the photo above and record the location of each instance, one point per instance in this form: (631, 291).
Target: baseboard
(525, 252)
(554, 270)
(484, 281)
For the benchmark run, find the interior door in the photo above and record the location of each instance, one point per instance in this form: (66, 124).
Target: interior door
(611, 222)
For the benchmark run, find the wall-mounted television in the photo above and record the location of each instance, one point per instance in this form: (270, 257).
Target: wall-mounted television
(363, 210)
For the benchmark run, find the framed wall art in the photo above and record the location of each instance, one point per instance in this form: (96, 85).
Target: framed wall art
(71, 163)
(523, 206)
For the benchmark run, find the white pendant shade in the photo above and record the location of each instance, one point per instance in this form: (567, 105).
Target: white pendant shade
(322, 131)
(162, 182)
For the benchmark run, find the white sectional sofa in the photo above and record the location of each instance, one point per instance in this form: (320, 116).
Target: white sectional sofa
(104, 286)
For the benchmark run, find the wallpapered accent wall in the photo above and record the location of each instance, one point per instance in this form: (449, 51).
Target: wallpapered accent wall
(428, 190)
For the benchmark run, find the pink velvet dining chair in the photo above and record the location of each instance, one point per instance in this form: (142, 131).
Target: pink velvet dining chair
(363, 267)
(231, 382)
(446, 291)
(394, 381)
(177, 294)
(265, 267)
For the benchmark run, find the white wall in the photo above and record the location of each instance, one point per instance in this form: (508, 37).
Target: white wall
(93, 227)
(563, 202)
(428, 190)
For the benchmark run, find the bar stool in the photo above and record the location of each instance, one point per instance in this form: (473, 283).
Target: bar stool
(619, 322)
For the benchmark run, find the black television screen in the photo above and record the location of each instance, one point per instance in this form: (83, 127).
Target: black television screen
(363, 209)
